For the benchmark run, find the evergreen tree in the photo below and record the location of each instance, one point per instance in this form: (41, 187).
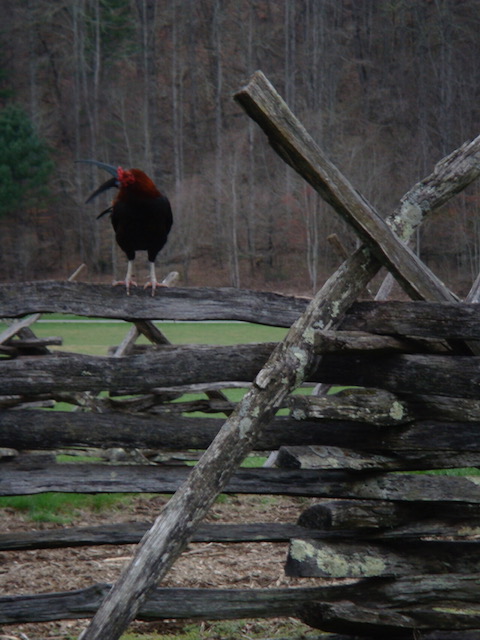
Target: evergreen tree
(25, 163)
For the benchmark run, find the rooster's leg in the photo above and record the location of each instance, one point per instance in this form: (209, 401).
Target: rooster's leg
(153, 278)
(129, 281)
(153, 282)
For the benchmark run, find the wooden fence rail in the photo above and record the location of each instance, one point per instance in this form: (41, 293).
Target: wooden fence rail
(170, 304)
(129, 478)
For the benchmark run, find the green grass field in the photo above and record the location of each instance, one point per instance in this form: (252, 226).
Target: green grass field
(96, 337)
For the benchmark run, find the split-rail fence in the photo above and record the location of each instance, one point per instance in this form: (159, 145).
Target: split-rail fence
(408, 543)
(398, 544)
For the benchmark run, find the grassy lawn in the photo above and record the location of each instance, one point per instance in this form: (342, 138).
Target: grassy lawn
(96, 337)
(62, 508)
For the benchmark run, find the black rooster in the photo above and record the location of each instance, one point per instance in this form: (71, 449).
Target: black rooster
(141, 216)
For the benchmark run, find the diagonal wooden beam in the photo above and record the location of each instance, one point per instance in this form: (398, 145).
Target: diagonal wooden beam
(15, 327)
(293, 143)
(284, 371)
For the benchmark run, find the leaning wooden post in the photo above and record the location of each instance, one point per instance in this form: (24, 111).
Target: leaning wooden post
(293, 143)
(284, 371)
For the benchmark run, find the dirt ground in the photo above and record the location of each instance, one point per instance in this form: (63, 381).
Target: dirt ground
(255, 565)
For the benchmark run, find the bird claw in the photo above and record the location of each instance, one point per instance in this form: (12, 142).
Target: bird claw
(154, 284)
(127, 283)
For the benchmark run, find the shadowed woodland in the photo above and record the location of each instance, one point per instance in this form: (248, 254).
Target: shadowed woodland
(386, 89)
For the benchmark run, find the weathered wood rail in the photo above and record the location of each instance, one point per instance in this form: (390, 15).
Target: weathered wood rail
(172, 304)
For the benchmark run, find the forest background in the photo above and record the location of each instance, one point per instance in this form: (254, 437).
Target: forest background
(386, 87)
